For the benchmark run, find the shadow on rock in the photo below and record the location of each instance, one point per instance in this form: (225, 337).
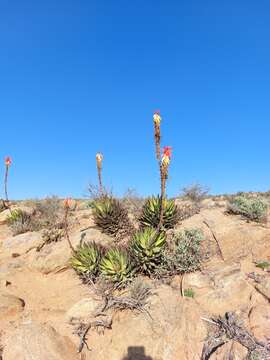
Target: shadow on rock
(136, 353)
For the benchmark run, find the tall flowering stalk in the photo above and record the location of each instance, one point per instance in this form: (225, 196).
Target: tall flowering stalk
(7, 164)
(67, 205)
(164, 166)
(99, 159)
(157, 120)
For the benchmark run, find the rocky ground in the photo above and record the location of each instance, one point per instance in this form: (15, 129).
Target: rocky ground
(42, 299)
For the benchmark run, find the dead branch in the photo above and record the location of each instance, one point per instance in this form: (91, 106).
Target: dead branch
(229, 328)
(215, 238)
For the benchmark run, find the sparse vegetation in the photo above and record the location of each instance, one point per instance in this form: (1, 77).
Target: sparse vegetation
(195, 192)
(111, 217)
(150, 215)
(146, 249)
(20, 222)
(49, 212)
(251, 208)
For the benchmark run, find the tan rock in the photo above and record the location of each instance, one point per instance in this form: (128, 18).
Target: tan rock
(22, 243)
(82, 310)
(174, 331)
(259, 319)
(38, 342)
(220, 289)
(230, 350)
(10, 305)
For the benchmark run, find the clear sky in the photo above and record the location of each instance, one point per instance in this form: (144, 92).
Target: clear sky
(81, 76)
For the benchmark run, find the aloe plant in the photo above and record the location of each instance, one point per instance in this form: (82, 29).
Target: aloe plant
(86, 259)
(146, 247)
(116, 266)
(150, 215)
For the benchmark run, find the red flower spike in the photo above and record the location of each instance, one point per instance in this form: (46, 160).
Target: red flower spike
(8, 161)
(167, 151)
(157, 112)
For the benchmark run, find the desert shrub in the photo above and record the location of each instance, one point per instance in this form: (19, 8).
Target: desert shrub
(150, 214)
(20, 222)
(185, 255)
(252, 208)
(51, 235)
(116, 266)
(185, 211)
(49, 212)
(86, 260)
(146, 249)
(132, 202)
(111, 217)
(195, 192)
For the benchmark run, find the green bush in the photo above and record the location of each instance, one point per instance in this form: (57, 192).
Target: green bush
(252, 208)
(86, 259)
(185, 255)
(150, 214)
(146, 249)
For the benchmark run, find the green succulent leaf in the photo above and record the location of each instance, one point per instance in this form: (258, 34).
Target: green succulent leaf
(150, 214)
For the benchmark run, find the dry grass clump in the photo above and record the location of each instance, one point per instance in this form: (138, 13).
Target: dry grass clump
(195, 192)
(46, 214)
(132, 202)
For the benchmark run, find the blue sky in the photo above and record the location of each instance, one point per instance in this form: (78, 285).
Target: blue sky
(80, 76)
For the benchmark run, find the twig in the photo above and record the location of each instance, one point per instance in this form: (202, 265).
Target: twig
(215, 238)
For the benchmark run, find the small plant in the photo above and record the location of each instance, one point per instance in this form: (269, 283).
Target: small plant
(111, 217)
(146, 248)
(195, 192)
(116, 266)
(85, 261)
(189, 293)
(150, 215)
(251, 208)
(264, 265)
(185, 255)
(52, 235)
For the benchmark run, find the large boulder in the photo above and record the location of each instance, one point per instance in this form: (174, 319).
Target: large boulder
(259, 319)
(22, 243)
(220, 289)
(83, 309)
(38, 342)
(172, 329)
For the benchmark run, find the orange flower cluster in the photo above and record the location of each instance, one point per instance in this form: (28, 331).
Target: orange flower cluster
(8, 161)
